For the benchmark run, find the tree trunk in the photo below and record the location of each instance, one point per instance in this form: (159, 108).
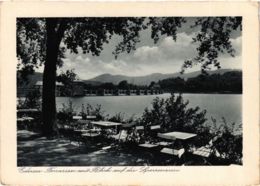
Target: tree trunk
(49, 79)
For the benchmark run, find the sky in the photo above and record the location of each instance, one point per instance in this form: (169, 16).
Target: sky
(167, 56)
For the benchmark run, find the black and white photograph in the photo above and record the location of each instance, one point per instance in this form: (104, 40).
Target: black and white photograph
(129, 91)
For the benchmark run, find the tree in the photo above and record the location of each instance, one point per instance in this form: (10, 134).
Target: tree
(67, 79)
(123, 85)
(151, 84)
(44, 41)
(213, 38)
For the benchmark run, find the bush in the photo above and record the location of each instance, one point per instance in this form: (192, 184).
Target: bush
(67, 112)
(89, 110)
(32, 100)
(227, 143)
(172, 114)
(119, 117)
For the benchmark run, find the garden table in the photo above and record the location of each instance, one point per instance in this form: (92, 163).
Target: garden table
(24, 119)
(176, 135)
(106, 124)
(27, 110)
(28, 118)
(175, 150)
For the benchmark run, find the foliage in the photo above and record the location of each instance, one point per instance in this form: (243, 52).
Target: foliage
(119, 117)
(89, 34)
(226, 142)
(89, 110)
(226, 82)
(67, 111)
(173, 84)
(182, 118)
(172, 114)
(67, 79)
(20, 103)
(123, 85)
(213, 38)
(32, 100)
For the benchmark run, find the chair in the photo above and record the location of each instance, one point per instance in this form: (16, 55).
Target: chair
(138, 128)
(123, 135)
(203, 151)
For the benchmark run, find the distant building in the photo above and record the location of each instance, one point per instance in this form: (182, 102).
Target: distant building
(78, 88)
(38, 85)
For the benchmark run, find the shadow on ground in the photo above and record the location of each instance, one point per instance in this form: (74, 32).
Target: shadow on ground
(35, 150)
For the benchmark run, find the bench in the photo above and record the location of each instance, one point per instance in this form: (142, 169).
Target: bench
(164, 143)
(148, 145)
(76, 117)
(175, 152)
(89, 134)
(25, 121)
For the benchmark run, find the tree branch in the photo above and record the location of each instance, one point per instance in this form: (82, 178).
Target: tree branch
(61, 29)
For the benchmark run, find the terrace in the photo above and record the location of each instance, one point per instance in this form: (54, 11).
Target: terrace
(90, 142)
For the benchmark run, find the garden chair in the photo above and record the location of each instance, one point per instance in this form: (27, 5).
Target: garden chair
(121, 136)
(155, 127)
(203, 151)
(174, 152)
(83, 124)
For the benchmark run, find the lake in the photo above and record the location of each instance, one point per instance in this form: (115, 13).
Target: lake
(217, 105)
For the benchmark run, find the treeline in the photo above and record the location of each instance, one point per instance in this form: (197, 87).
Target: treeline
(229, 82)
(124, 85)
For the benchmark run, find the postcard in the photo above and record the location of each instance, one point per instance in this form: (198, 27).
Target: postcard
(140, 93)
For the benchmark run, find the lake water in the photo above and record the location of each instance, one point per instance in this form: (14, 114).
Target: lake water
(217, 105)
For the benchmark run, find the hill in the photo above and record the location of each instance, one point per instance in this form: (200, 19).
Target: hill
(137, 80)
(146, 80)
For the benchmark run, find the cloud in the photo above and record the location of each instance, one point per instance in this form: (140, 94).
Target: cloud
(168, 51)
(237, 44)
(147, 53)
